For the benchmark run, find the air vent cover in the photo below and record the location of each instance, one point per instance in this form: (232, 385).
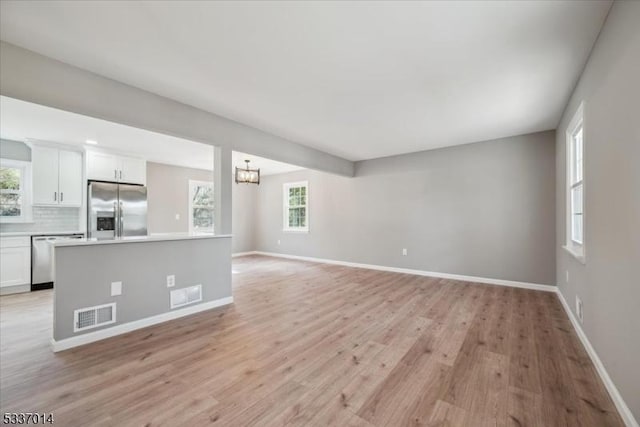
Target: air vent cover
(92, 317)
(186, 296)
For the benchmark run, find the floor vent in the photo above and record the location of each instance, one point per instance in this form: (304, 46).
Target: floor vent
(92, 317)
(186, 296)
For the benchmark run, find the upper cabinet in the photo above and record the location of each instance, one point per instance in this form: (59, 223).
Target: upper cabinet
(134, 171)
(57, 176)
(114, 168)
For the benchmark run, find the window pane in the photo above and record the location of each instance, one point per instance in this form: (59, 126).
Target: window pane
(10, 205)
(203, 195)
(576, 200)
(579, 155)
(576, 160)
(303, 217)
(203, 218)
(576, 229)
(576, 214)
(10, 178)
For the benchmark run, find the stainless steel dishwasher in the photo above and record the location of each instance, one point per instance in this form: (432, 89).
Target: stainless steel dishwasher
(42, 271)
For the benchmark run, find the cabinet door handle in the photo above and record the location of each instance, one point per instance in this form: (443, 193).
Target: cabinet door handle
(61, 196)
(115, 174)
(55, 196)
(120, 174)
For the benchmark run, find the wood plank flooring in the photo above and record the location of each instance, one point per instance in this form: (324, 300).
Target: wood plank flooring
(314, 344)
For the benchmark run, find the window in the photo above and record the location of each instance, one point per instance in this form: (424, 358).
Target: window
(575, 185)
(201, 206)
(15, 193)
(296, 206)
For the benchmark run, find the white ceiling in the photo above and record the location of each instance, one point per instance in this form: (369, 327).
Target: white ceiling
(266, 166)
(356, 79)
(23, 121)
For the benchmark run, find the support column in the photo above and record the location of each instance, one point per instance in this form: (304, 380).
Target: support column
(222, 187)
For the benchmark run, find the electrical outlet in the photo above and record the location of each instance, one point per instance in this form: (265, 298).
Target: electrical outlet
(404, 251)
(579, 309)
(278, 242)
(171, 281)
(567, 271)
(177, 217)
(116, 288)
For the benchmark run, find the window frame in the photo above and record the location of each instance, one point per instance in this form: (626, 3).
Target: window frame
(575, 180)
(24, 192)
(286, 207)
(193, 184)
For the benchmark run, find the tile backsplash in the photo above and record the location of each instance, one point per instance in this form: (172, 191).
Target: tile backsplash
(47, 219)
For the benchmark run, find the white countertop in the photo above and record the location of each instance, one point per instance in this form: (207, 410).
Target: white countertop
(140, 239)
(38, 233)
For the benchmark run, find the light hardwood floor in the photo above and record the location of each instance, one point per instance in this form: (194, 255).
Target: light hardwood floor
(314, 344)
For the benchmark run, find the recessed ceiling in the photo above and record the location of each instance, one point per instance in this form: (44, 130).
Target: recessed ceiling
(24, 121)
(266, 166)
(356, 79)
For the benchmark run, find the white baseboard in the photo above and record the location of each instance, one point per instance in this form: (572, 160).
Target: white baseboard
(237, 254)
(501, 282)
(18, 289)
(622, 407)
(123, 328)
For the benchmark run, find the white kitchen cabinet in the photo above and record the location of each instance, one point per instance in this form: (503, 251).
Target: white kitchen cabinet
(57, 176)
(44, 166)
(133, 171)
(15, 261)
(102, 166)
(70, 178)
(114, 168)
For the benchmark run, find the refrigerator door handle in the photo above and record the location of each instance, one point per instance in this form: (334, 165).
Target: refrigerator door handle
(121, 221)
(116, 218)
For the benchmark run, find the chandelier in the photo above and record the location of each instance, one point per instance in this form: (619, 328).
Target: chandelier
(247, 176)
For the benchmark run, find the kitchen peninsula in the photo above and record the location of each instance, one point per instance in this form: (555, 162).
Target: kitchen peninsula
(109, 287)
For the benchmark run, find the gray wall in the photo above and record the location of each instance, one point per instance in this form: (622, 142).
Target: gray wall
(483, 209)
(36, 78)
(84, 275)
(609, 282)
(244, 217)
(168, 195)
(15, 150)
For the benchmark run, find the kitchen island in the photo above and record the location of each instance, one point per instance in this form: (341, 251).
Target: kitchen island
(105, 288)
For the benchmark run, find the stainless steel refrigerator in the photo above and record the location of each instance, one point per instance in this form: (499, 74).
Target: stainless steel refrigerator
(116, 210)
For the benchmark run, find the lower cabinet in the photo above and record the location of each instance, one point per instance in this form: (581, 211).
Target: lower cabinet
(15, 261)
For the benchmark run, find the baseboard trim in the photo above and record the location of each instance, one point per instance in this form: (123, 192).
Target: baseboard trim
(15, 289)
(123, 328)
(501, 282)
(237, 254)
(623, 409)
